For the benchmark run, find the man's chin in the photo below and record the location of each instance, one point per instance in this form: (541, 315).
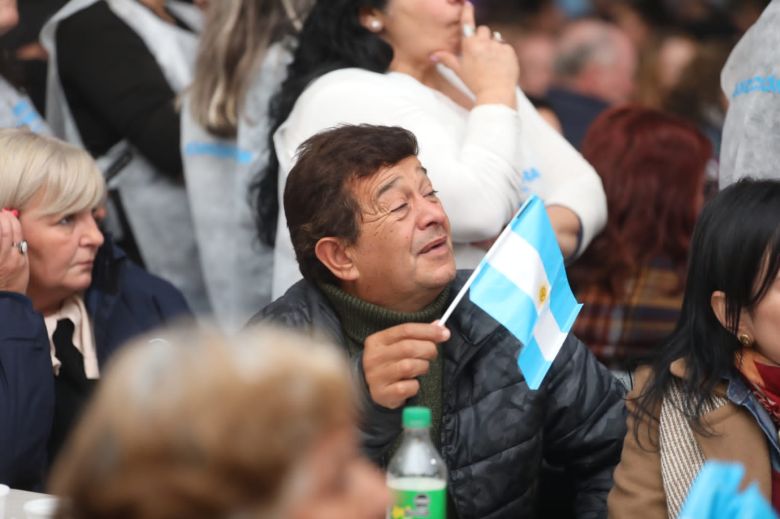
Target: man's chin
(440, 277)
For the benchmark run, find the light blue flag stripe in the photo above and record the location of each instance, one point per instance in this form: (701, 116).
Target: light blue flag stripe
(504, 302)
(532, 364)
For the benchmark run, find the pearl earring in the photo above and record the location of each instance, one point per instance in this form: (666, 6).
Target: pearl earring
(375, 25)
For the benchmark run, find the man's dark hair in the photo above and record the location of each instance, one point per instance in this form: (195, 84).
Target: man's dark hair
(318, 199)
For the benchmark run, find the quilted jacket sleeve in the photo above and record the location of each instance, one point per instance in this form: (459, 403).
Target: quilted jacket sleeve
(585, 424)
(26, 393)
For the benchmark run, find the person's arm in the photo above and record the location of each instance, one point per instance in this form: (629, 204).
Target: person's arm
(116, 88)
(564, 180)
(585, 424)
(26, 393)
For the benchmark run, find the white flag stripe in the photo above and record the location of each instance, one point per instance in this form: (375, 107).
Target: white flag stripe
(548, 335)
(519, 262)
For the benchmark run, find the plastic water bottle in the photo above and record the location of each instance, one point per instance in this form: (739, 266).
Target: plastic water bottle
(416, 475)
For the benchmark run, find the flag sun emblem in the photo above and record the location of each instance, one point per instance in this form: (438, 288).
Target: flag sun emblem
(543, 293)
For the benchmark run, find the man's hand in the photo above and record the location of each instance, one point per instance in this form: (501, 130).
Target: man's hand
(395, 357)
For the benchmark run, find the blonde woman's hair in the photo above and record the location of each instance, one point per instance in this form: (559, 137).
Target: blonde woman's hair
(232, 46)
(66, 176)
(200, 426)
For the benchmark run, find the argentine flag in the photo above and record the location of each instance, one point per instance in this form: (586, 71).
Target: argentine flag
(521, 283)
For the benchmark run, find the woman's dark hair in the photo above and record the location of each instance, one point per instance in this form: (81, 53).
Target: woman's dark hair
(736, 250)
(332, 38)
(652, 165)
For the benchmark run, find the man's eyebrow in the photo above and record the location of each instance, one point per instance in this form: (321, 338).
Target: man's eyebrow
(425, 171)
(387, 186)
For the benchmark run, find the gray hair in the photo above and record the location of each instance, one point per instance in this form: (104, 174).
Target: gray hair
(584, 42)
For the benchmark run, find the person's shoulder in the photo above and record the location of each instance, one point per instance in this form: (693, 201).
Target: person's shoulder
(296, 308)
(96, 18)
(135, 283)
(346, 84)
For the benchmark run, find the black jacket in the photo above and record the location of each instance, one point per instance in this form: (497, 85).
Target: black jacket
(495, 432)
(122, 302)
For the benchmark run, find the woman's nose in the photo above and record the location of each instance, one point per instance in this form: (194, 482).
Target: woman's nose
(92, 236)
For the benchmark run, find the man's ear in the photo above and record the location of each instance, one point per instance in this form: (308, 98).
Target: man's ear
(333, 253)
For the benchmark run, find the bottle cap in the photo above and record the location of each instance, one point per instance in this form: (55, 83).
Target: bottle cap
(416, 417)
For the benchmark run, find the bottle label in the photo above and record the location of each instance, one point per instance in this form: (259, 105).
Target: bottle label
(422, 504)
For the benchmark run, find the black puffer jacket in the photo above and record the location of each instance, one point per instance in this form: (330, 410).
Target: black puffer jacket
(495, 432)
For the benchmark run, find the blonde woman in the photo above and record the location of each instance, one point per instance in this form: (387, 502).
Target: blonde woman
(261, 426)
(244, 51)
(68, 298)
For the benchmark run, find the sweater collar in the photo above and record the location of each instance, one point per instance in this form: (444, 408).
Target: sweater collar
(359, 319)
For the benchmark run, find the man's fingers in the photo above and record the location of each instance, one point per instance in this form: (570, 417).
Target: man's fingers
(409, 349)
(425, 350)
(402, 391)
(414, 331)
(406, 369)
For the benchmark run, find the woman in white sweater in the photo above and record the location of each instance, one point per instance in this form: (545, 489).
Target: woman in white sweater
(422, 65)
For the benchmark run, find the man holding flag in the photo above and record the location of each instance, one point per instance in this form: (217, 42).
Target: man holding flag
(508, 388)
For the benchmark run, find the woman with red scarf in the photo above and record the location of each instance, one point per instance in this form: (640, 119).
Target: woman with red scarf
(713, 390)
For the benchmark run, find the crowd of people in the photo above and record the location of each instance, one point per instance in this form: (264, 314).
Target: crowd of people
(228, 230)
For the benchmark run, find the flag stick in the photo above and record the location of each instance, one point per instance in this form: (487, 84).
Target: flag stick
(479, 268)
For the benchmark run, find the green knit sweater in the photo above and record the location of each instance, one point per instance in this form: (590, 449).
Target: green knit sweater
(360, 319)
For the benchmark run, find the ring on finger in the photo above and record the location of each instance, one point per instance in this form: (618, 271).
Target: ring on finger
(497, 37)
(21, 247)
(468, 30)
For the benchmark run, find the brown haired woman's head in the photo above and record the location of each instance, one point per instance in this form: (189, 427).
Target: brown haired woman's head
(198, 426)
(652, 166)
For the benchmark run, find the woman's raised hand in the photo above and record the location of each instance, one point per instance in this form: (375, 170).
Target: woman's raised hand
(487, 65)
(14, 268)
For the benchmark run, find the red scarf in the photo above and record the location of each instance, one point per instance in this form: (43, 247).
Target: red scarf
(763, 378)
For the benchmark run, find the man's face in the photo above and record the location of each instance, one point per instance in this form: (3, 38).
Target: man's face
(403, 255)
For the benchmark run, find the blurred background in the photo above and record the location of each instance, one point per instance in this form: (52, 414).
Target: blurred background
(577, 57)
